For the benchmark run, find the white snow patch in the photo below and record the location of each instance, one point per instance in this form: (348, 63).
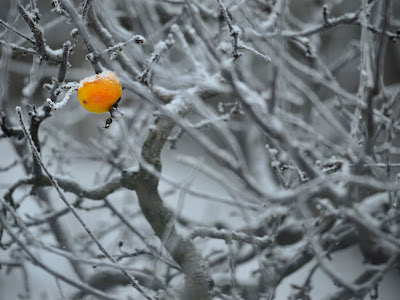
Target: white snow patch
(105, 74)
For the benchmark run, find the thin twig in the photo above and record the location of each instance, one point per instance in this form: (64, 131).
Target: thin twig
(84, 287)
(6, 25)
(93, 55)
(71, 207)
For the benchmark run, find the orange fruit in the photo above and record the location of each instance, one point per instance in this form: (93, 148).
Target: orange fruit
(98, 93)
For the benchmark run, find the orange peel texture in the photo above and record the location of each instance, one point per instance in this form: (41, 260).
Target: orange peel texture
(98, 93)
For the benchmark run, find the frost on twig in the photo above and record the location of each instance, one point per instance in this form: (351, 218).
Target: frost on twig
(117, 49)
(159, 49)
(63, 102)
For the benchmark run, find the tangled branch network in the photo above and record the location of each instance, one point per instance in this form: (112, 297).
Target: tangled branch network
(245, 141)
